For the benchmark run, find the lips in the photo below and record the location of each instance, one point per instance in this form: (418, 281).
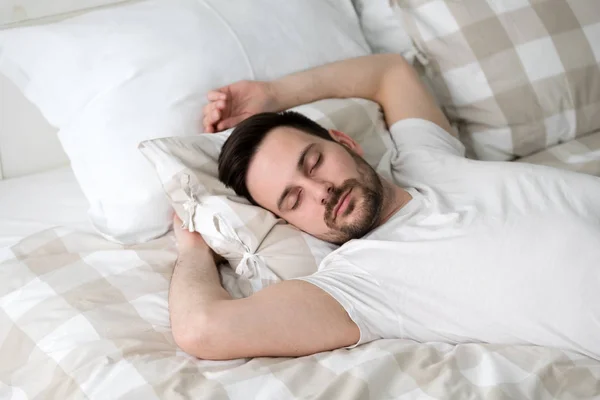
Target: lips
(342, 203)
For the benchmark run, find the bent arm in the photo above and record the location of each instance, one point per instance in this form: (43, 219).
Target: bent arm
(195, 286)
(292, 318)
(387, 79)
(288, 319)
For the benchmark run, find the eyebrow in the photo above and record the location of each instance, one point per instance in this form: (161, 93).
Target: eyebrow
(299, 166)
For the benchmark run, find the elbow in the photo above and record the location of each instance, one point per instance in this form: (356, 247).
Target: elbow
(396, 60)
(195, 335)
(393, 63)
(394, 74)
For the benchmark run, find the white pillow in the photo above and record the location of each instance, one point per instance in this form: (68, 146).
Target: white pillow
(382, 28)
(114, 77)
(261, 248)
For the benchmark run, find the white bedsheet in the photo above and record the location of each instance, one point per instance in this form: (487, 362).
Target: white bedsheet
(35, 202)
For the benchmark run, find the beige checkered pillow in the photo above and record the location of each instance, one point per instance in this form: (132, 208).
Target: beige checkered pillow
(517, 76)
(258, 246)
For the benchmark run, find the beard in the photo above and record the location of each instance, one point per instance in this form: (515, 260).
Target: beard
(364, 209)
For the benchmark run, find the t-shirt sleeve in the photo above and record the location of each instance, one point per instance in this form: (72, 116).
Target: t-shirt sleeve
(360, 295)
(415, 133)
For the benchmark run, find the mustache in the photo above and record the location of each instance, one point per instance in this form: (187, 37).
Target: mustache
(336, 195)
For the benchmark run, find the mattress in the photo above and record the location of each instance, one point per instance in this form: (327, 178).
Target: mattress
(82, 317)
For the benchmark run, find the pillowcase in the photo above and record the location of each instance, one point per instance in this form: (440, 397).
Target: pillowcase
(111, 78)
(517, 76)
(382, 29)
(260, 247)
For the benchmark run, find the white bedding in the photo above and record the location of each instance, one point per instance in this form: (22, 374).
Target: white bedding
(35, 202)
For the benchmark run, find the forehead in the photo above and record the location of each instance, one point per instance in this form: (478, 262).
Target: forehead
(275, 162)
(285, 139)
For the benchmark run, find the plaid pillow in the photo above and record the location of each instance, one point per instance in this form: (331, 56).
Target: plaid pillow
(517, 76)
(258, 246)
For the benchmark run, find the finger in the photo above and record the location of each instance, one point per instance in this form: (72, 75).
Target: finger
(214, 95)
(220, 104)
(213, 107)
(208, 127)
(207, 109)
(215, 116)
(229, 122)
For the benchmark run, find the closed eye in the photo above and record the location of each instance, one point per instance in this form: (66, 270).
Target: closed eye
(297, 202)
(317, 163)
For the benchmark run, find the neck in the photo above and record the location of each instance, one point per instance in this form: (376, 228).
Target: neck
(394, 198)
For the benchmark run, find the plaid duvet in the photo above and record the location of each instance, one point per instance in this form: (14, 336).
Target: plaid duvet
(84, 318)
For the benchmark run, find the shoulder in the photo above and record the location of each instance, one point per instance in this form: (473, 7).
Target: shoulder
(340, 258)
(414, 134)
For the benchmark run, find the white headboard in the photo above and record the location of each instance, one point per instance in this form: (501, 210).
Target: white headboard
(28, 144)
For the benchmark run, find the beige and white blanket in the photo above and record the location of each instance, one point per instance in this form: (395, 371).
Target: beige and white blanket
(83, 318)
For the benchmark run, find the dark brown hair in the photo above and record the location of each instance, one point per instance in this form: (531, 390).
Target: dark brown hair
(242, 144)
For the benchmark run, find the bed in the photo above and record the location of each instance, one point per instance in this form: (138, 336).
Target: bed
(77, 323)
(82, 316)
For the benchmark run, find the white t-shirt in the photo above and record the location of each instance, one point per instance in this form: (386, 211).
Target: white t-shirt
(495, 252)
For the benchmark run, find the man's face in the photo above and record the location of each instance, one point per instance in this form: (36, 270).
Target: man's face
(320, 186)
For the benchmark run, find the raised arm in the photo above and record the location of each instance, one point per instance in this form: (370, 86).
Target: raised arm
(384, 78)
(292, 318)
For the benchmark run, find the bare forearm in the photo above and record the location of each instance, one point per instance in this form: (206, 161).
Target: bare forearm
(361, 77)
(195, 286)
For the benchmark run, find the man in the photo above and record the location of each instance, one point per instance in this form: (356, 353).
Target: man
(437, 247)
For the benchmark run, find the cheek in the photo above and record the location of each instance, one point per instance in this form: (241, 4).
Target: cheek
(310, 211)
(310, 218)
(340, 168)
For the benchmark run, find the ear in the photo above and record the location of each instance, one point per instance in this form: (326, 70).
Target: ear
(346, 141)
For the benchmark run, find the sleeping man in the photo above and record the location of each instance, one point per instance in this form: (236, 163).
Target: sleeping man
(435, 247)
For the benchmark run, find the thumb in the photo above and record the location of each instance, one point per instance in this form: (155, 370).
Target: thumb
(230, 122)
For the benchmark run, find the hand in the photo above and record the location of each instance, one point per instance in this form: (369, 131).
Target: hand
(191, 241)
(185, 239)
(230, 105)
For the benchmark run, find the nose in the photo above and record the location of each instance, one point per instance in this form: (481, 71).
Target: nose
(321, 190)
